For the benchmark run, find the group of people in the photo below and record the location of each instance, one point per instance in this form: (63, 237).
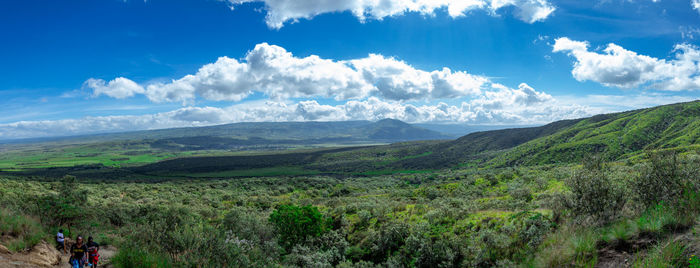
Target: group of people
(80, 253)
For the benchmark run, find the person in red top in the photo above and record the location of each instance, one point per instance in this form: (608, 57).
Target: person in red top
(92, 249)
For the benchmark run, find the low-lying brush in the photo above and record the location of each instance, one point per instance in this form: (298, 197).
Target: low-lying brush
(21, 231)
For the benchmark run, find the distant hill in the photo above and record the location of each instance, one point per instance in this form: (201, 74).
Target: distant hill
(263, 133)
(460, 129)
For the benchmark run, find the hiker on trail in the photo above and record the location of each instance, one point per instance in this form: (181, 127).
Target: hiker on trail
(92, 249)
(78, 253)
(61, 241)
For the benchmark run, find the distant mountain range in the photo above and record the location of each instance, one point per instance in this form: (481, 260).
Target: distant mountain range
(265, 133)
(615, 136)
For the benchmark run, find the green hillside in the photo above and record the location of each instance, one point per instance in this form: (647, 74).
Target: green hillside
(615, 136)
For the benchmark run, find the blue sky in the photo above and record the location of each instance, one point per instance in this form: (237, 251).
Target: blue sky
(73, 67)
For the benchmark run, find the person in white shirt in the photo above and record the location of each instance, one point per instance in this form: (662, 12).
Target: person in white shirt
(61, 241)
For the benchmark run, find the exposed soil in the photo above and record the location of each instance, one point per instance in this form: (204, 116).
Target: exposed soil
(41, 255)
(46, 255)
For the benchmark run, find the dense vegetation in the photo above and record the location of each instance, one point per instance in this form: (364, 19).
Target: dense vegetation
(622, 204)
(570, 215)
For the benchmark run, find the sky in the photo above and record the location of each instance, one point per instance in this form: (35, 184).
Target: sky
(94, 66)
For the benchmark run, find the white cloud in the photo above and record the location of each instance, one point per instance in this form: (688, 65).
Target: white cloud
(689, 32)
(280, 12)
(695, 4)
(501, 106)
(618, 67)
(119, 88)
(275, 72)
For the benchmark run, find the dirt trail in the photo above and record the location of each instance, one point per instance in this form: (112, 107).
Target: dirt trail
(106, 254)
(44, 255)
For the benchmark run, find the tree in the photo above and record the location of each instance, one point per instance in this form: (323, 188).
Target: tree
(295, 224)
(65, 207)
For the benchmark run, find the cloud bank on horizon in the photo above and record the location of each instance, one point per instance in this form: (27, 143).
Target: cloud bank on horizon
(280, 12)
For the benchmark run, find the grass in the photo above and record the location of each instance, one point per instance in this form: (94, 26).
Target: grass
(396, 159)
(583, 245)
(621, 232)
(255, 172)
(659, 219)
(24, 232)
(135, 257)
(568, 246)
(666, 254)
(391, 172)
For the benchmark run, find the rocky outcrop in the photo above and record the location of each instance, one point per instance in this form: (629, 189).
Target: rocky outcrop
(4, 250)
(43, 254)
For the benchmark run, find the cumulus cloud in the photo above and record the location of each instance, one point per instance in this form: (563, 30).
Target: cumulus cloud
(280, 12)
(119, 88)
(501, 106)
(275, 72)
(615, 66)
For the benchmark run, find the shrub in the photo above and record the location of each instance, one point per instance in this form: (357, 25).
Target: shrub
(65, 207)
(594, 195)
(248, 225)
(327, 250)
(660, 180)
(295, 224)
(520, 191)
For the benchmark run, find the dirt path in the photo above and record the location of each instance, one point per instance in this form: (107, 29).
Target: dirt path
(44, 255)
(106, 254)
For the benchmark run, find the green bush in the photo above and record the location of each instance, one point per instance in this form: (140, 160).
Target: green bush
(248, 225)
(660, 179)
(595, 196)
(296, 224)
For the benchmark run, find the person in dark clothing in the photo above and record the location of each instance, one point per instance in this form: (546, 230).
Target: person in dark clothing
(92, 250)
(78, 251)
